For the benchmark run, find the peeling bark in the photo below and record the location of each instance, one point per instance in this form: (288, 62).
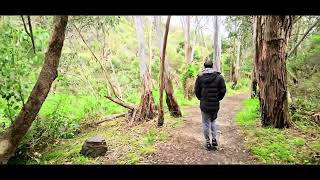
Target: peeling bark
(272, 37)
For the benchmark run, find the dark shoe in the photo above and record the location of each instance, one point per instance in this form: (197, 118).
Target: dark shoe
(214, 143)
(208, 146)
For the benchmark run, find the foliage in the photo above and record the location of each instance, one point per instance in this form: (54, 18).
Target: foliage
(306, 93)
(180, 48)
(191, 71)
(17, 61)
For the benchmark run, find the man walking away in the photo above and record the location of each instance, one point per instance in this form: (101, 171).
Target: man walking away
(210, 89)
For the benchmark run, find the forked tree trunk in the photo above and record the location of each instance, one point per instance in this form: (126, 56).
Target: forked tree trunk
(147, 108)
(171, 101)
(162, 73)
(13, 135)
(272, 37)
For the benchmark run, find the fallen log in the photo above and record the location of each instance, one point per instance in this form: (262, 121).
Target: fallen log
(109, 118)
(121, 103)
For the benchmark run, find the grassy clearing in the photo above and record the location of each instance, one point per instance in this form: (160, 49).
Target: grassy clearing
(275, 146)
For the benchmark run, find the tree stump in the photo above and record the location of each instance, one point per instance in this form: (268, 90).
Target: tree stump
(94, 147)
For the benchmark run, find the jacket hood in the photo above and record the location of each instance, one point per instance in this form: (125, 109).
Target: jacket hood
(213, 74)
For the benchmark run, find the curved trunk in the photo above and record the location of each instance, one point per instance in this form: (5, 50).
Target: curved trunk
(13, 135)
(171, 101)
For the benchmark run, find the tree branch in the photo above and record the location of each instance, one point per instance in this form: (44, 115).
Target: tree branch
(31, 34)
(24, 25)
(296, 19)
(303, 37)
(95, 57)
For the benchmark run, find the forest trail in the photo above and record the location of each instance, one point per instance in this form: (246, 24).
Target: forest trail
(187, 143)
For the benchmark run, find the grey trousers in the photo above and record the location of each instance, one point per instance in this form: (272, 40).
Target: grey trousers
(208, 123)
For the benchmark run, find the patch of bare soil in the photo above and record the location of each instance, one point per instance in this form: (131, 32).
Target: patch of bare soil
(187, 143)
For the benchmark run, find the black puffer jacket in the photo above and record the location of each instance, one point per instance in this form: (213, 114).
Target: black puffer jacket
(210, 88)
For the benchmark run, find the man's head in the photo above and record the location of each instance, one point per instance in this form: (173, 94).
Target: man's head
(208, 64)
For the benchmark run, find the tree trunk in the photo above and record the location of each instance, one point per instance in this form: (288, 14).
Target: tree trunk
(236, 65)
(216, 43)
(187, 45)
(233, 71)
(272, 37)
(150, 48)
(147, 108)
(254, 88)
(188, 86)
(162, 73)
(157, 21)
(141, 46)
(233, 62)
(13, 135)
(253, 73)
(171, 101)
(295, 40)
(238, 59)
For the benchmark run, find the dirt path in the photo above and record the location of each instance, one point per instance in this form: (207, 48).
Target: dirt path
(187, 144)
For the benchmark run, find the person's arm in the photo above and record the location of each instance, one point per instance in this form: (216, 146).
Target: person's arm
(197, 88)
(222, 88)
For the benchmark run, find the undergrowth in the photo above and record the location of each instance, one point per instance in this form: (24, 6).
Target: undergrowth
(241, 87)
(277, 146)
(125, 145)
